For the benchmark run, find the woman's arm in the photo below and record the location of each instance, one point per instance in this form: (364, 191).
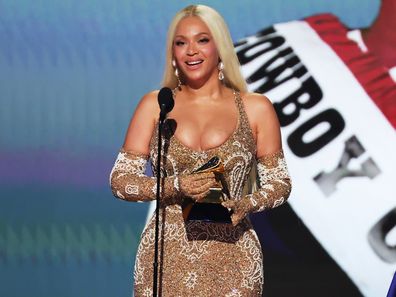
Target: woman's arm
(127, 178)
(141, 126)
(273, 177)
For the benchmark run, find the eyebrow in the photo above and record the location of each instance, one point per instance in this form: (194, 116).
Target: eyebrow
(200, 33)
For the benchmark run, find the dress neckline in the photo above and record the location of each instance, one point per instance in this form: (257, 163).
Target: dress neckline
(226, 141)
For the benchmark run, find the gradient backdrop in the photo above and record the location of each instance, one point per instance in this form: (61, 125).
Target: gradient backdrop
(71, 74)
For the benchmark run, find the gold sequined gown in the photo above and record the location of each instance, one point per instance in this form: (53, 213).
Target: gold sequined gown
(200, 258)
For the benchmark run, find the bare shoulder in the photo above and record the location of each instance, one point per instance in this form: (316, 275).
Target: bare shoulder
(257, 105)
(149, 101)
(147, 108)
(264, 122)
(142, 124)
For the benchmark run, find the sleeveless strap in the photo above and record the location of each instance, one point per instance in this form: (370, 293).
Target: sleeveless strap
(242, 113)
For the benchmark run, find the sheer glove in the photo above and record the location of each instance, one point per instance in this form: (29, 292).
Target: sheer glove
(274, 188)
(129, 182)
(197, 185)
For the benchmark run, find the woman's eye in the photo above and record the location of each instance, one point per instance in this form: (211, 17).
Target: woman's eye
(204, 40)
(179, 42)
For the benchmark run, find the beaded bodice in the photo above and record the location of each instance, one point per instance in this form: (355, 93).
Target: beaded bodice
(237, 152)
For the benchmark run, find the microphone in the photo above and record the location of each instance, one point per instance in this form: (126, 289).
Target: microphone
(165, 101)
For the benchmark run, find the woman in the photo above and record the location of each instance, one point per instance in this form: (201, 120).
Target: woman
(213, 116)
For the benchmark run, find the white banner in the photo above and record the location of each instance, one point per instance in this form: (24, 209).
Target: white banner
(339, 147)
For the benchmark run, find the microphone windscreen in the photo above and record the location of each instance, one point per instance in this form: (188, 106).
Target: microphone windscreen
(165, 100)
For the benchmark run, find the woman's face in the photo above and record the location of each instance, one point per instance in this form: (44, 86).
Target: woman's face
(195, 51)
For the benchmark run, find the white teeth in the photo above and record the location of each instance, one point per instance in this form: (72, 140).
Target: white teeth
(194, 62)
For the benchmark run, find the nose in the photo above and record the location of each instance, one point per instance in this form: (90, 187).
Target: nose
(192, 50)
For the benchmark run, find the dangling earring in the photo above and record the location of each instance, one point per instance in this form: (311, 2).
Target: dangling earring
(176, 74)
(221, 68)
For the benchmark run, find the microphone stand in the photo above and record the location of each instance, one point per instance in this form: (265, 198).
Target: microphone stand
(158, 194)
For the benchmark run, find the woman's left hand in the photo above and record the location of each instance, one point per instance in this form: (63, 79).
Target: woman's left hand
(237, 210)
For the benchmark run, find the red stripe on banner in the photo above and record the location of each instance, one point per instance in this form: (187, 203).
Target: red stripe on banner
(374, 77)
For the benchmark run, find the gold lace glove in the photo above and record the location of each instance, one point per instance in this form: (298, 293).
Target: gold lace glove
(197, 186)
(274, 188)
(128, 181)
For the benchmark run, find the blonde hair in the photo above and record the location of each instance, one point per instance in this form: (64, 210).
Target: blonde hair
(221, 36)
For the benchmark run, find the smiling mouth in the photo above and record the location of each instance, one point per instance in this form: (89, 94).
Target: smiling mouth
(193, 63)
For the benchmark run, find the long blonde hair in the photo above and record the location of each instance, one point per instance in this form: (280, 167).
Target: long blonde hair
(221, 36)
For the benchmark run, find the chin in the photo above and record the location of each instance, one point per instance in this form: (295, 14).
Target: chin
(195, 77)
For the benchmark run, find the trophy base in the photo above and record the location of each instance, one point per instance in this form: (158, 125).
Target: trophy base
(215, 195)
(209, 212)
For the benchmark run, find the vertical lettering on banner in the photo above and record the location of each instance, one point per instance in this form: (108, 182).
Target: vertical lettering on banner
(302, 148)
(309, 93)
(378, 235)
(282, 63)
(266, 40)
(327, 181)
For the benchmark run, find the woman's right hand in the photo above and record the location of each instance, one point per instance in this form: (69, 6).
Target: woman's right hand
(197, 185)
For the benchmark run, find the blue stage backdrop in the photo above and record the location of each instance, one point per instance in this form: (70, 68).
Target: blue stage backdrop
(71, 74)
